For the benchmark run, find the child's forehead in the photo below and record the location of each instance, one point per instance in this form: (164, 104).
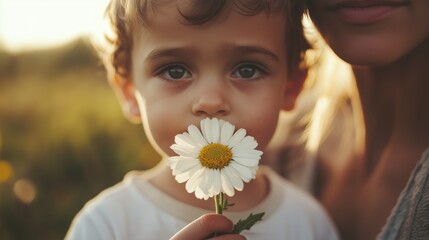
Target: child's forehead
(222, 39)
(197, 12)
(169, 22)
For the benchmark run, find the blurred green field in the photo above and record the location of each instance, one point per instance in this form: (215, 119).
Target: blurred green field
(62, 139)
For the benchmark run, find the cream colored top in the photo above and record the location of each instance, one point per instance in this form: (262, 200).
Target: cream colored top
(135, 209)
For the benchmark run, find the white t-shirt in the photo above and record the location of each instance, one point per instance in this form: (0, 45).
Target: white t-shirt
(135, 209)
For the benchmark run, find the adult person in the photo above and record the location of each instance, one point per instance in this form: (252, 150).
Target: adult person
(387, 44)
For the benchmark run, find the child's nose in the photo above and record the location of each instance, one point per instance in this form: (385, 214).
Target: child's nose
(211, 102)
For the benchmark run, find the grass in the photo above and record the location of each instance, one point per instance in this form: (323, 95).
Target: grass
(63, 132)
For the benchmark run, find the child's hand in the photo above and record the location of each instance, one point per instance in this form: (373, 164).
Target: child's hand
(205, 226)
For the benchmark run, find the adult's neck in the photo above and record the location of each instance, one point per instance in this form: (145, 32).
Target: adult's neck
(395, 104)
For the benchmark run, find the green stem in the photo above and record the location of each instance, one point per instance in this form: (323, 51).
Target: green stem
(219, 203)
(219, 207)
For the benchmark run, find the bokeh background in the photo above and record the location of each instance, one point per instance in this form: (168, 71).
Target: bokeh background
(63, 137)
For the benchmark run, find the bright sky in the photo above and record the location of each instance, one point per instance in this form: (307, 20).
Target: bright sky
(29, 24)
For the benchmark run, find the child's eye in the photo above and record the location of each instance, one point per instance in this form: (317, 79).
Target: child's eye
(174, 73)
(248, 71)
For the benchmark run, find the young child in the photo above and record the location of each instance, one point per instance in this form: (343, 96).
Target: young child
(174, 63)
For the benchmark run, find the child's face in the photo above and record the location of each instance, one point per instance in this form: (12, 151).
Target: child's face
(233, 68)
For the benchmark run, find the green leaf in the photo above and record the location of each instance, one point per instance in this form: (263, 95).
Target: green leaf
(226, 204)
(247, 223)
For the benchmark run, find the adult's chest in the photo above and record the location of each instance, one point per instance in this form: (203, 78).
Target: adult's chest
(360, 201)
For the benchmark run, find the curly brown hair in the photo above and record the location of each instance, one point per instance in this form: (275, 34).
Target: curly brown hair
(124, 15)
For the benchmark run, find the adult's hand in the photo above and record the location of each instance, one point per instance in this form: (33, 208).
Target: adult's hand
(205, 226)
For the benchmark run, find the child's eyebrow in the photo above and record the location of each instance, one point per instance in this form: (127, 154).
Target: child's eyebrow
(256, 49)
(166, 52)
(242, 50)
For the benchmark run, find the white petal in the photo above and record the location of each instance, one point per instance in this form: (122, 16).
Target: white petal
(200, 194)
(237, 137)
(210, 129)
(205, 126)
(235, 178)
(216, 185)
(248, 143)
(184, 139)
(195, 133)
(184, 176)
(226, 132)
(215, 128)
(226, 184)
(172, 161)
(249, 153)
(248, 162)
(245, 173)
(206, 182)
(207, 188)
(185, 151)
(194, 181)
(185, 165)
(254, 170)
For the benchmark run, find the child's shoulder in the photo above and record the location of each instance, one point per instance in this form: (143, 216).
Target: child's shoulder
(290, 196)
(107, 213)
(126, 191)
(300, 210)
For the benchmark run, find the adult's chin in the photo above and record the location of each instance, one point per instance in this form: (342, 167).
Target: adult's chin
(370, 50)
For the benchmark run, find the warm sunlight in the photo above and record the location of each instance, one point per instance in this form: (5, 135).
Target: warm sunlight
(29, 24)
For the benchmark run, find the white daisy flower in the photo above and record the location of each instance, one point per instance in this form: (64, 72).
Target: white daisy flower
(214, 160)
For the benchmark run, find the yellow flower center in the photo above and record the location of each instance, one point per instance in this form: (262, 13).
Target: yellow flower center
(215, 156)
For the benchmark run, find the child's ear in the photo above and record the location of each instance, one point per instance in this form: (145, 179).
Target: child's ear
(124, 89)
(294, 85)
